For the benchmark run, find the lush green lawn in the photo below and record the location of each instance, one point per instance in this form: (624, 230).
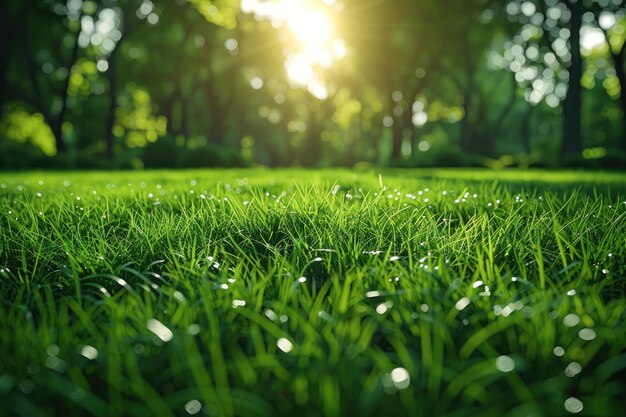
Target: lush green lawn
(311, 293)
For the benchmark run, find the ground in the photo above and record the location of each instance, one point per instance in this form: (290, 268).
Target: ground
(305, 292)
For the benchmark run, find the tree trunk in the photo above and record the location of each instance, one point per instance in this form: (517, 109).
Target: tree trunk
(525, 128)
(572, 137)
(618, 63)
(396, 133)
(6, 41)
(466, 128)
(217, 126)
(312, 141)
(110, 121)
(56, 125)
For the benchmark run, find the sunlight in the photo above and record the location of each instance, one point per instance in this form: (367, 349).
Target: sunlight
(311, 28)
(313, 42)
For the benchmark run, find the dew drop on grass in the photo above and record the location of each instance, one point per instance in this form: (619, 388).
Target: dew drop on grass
(372, 294)
(284, 344)
(238, 303)
(477, 284)
(424, 308)
(160, 330)
(270, 314)
(193, 329)
(587, 334)
(394, 258)
(573, 369)
(193, 407)
(53, 350)
(558, 351)
(381, 308)
(573, 405)
(401, 378)
(89, 352)
(505, 363)
(571, 320)
(462, 303)
(571, 292)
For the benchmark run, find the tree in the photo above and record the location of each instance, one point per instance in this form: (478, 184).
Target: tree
(48, 61)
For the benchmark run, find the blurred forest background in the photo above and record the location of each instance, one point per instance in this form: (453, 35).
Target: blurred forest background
(190, 83)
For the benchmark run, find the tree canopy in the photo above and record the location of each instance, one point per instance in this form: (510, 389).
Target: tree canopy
(133, 83)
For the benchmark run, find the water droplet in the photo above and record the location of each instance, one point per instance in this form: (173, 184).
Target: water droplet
(573, 405)
(238, 303)
(401, 378)
(587, 334)
(558, 351)
(193, 407)
(381, 308)
(270, 314)
(160, 330)
(193, 329)
(571, 320)
(89, 352)
(53, 350)
(571, 292)
(573, 369)
(284, 344)
(505, 363)
(462, 303)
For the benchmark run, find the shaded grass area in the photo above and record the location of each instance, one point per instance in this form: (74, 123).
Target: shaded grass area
(297, 292)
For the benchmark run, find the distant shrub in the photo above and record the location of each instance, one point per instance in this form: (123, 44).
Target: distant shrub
(14, 155)
(164, 153)
(613, 159)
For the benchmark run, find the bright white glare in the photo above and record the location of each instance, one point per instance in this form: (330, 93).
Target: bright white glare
(314, 43)
(299, 70)
(607, 20)
(102, 65)
(591, 38)
(312, 30)
(256, 83)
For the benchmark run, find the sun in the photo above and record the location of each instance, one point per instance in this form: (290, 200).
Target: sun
(312, 29)
(313, 43)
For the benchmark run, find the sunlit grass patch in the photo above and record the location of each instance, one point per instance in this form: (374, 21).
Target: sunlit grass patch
(296, 292)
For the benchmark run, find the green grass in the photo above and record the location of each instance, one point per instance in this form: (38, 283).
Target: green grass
(312, 293)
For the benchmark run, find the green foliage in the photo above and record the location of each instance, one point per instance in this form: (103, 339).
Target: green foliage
(219, 12)
(20, 126)
(135, 120)
(313, 293)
